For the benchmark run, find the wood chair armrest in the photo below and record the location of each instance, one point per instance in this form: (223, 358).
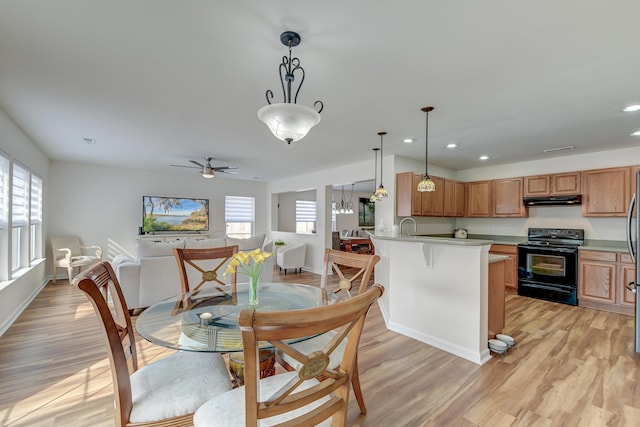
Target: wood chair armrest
(96, 247)
(67, 254)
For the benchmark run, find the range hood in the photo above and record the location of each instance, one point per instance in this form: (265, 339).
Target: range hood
(553, 200)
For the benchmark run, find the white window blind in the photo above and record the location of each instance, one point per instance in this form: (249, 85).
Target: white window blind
(4, 191)
(36, 200)
(305, 211)
(239, 209)
(20, 196)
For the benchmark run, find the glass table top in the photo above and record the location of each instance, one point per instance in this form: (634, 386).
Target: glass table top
(207, 320)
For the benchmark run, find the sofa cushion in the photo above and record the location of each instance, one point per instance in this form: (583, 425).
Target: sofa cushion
(146, 249)
(247, 244)
(205, 243)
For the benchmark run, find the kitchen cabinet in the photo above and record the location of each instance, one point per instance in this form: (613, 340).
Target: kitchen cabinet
(606, 192)
(432, 202)
(507, 198)
(601, 281)
(454, 206)
(411, 202)
(510, 264)
(479, 199)
(626, 274)
(496, 298)
(558, 184)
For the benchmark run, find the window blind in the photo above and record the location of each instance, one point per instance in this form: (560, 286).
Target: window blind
(305, 211)
(36, 200)
(239, 209)
(4, 190)
(20, 196)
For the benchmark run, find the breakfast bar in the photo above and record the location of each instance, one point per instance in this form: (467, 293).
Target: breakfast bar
(436, 291)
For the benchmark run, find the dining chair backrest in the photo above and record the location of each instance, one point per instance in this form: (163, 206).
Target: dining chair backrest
(351, 268)
(205, 265)
(101, 286)
(276, 327)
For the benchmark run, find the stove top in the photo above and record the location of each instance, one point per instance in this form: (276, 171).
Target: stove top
(555, 237)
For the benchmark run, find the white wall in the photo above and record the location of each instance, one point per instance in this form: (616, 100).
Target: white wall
(103, 205)
(16, 294)
(349, 221)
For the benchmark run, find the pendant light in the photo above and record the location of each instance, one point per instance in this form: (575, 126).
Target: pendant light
(427, 184)
(373, 197)
(287, 120)
(381, 192)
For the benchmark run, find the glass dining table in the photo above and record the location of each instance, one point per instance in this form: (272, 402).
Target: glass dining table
(207, 319)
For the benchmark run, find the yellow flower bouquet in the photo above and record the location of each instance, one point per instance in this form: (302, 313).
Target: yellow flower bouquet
(249, 263)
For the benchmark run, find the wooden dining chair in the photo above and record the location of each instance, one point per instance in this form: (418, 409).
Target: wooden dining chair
(205, 265)
(352, 270)
(163, 393)
(294, 398)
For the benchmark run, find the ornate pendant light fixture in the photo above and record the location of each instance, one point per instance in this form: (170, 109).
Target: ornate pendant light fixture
(373, 197)
(344, 207)
(381, 192)
(427, 184)
(289, 121)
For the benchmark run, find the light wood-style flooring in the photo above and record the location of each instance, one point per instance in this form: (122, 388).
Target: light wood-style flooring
(572, 367)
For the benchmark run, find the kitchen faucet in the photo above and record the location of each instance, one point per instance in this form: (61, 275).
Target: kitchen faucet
(415, 227)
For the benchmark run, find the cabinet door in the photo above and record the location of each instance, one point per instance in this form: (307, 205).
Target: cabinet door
(537, 186)
(626, 274)
(507, 198)
(606, 192)
(416, 196)
(510, 265)
(449, 197)
(404, 194)
(565, 183)
(479, 199)
(460, 198)
(597, 281)
(433, 202)
(496, 298)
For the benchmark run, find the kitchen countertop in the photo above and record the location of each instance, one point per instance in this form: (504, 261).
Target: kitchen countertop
(605, 245)
(497, 258)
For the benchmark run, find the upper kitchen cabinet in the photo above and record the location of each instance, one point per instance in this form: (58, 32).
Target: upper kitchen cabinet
(552, 185)
(507, 198)
(454, 198)
(433, 201)
(408, 201)
(606, 192)
(479, 199)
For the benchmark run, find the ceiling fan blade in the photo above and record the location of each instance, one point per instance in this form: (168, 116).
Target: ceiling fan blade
(185, 166)
(196, 163)
(222, 168)
(228, 171)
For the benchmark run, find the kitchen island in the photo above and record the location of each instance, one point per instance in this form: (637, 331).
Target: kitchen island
(437, 291)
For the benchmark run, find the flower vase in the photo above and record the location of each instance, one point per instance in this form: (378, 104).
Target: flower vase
(253, 291)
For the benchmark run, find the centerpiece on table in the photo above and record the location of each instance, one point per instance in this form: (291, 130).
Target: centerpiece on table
(249, 263)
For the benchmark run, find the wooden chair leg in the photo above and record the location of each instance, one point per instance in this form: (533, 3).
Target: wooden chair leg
(357, 391)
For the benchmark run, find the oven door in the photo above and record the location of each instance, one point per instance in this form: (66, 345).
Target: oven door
(548, 265)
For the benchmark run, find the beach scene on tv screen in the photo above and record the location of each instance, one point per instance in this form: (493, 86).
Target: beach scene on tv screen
(175, 214)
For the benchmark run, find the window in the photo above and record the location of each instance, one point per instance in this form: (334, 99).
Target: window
(239, 215)
(19, 217)
(305, 216)
(35, 219)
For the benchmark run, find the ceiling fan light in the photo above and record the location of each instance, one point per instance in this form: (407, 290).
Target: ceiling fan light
(426, 185)
(289, 122)
(208, 175)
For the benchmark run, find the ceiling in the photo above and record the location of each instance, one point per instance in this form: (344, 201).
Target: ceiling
(150, 83)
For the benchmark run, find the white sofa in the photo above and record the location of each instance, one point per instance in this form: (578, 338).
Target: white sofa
(152, 276)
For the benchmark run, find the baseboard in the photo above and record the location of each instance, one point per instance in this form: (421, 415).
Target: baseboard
(18, 311)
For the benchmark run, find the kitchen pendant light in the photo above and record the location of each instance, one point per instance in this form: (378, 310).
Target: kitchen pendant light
(381, 192)
(373, 197)
(426, 184)
(289, 121)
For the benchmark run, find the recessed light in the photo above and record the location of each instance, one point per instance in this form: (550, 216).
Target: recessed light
(88, 140)
(631, 108)
(636, 133)
(452, 145)
(408, 140)
(483, 158)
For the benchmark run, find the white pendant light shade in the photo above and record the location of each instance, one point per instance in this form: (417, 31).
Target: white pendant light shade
(289, 122)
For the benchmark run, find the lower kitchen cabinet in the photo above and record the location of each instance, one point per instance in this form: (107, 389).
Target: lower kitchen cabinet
(602, 278)
(496, 298)
(510, 265)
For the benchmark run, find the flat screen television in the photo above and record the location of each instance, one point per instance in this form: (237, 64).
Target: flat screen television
(174, 214)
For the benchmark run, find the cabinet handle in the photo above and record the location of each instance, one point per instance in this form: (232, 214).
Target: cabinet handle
(632, 286)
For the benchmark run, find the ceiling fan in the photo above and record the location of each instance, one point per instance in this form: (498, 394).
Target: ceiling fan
(207, 170)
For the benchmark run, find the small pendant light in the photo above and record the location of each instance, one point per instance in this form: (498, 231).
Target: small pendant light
(427, 184)
(373, 197)
(381, 192)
